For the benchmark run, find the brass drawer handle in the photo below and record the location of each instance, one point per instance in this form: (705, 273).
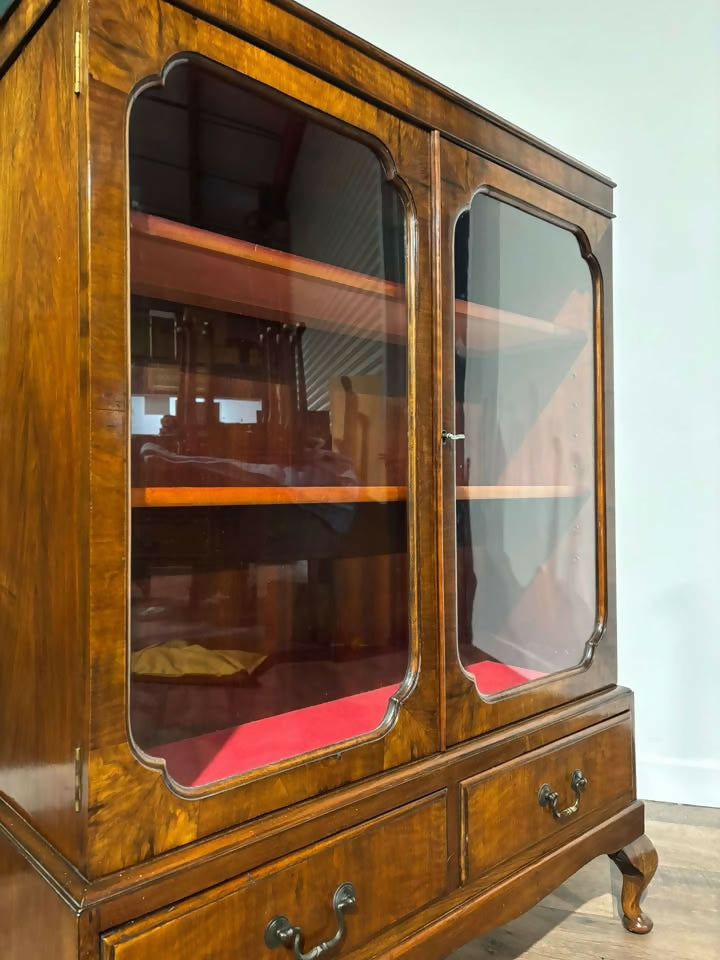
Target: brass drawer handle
(281, 933)
(549, 798)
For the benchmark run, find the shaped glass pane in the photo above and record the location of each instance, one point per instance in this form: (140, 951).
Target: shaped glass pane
(525, 471)
(269, 597)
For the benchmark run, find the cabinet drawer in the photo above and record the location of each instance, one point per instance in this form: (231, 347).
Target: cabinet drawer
(501, 815)
(396, 863)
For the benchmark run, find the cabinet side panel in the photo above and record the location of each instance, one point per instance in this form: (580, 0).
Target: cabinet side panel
(42, 478)
(34, 921)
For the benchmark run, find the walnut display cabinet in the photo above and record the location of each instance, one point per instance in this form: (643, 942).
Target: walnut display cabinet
(307, 596)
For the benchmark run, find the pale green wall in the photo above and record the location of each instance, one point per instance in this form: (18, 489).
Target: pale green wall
(4, 4)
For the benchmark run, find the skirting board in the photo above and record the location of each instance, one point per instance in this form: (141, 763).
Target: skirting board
(674, 780)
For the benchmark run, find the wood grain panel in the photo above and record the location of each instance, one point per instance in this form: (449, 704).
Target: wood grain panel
(477, 909)
(43, 480)
(501, 816)
(34, 920)
(407, 849)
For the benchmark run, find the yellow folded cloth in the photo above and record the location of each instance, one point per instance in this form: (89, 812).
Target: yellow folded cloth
(177, 658)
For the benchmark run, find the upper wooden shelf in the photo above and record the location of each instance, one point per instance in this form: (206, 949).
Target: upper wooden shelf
(483, 329)
(174, 261)
(526, 492)
(254, 496)
(177, 262)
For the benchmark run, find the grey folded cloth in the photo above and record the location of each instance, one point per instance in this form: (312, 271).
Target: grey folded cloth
(324, 468)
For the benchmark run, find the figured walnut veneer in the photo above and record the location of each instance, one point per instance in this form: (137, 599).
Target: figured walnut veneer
(100, 854)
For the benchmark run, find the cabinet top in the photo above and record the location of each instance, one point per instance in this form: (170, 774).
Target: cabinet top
(300, 35)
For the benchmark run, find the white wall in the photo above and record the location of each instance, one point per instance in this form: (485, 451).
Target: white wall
(631, 87)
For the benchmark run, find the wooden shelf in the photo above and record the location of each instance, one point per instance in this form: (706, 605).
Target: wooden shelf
(177, 262)
(249, 496)
(519, 492)
(483, 329)
(256, 496)
(184, 264)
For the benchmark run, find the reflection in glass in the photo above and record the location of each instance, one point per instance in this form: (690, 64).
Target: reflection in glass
(269, 602)
(524, 374)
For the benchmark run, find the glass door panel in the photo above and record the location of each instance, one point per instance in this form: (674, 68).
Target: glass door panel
(268, 449)
(525, 467)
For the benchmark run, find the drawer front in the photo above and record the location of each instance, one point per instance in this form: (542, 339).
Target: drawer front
(396, 863)
(501, 814)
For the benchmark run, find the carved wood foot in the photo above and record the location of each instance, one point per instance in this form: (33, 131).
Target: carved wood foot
(638, 863)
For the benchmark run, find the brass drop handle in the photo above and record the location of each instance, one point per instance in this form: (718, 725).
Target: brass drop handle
(549, 798)
(281, 933)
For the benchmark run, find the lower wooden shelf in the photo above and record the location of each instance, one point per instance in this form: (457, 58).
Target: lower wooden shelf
(258, 496)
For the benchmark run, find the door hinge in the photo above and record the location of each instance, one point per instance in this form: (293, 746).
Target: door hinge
(78, 779)
(78, 63)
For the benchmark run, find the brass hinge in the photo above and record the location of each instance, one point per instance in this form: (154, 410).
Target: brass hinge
(78, 779)
(78, 63)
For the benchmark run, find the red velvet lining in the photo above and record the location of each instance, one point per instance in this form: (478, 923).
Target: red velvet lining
(227, 753)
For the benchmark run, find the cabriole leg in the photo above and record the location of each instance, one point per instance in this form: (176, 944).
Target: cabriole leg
(638, 863)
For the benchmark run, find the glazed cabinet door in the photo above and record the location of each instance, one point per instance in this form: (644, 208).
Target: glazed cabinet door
(260, 361)
(525, 494)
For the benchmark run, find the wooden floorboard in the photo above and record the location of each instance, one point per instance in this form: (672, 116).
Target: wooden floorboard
(580, 920)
